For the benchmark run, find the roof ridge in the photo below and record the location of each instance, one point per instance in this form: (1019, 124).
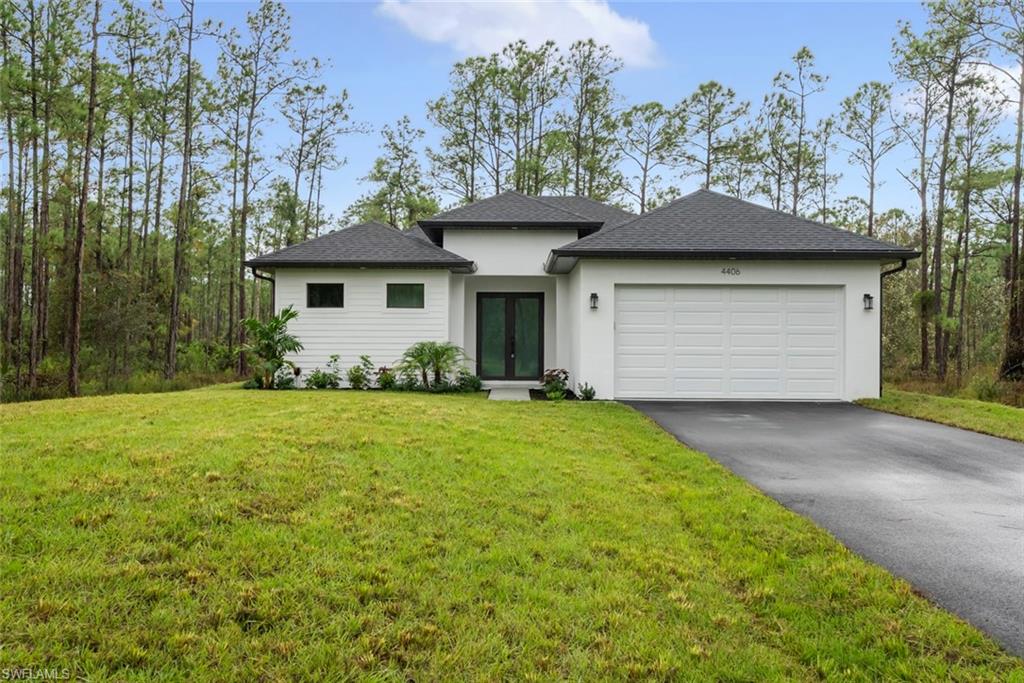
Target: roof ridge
(563, 214)
(537, 198)
(612, 228)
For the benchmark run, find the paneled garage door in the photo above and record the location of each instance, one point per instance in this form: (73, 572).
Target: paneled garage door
(728, 342)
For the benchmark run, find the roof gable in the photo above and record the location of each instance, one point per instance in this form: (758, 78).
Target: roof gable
(364, 244)
(709, 223)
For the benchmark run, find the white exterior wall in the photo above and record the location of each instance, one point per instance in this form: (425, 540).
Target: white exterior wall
(507, 252)
(593, 338)
(365, 324)
(511, 261)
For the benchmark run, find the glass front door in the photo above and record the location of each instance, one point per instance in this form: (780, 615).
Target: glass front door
(510, 335)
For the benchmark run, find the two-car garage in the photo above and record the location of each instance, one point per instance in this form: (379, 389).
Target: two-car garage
(729, 342)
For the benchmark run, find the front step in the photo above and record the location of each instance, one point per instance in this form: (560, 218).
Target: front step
(509, 394)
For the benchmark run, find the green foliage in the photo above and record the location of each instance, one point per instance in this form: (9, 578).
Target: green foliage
(285, 378)
(386, 378)
(651, 136)
(268, 344)
(586, 392)
(984, 387)
(712, 112)
(433, 363)
(556, 383)
(402, 196)
(924, 303)
(325, 379)
(360, 375)
(468, 382)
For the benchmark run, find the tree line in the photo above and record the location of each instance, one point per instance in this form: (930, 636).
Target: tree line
(137, 182)
(547, 121)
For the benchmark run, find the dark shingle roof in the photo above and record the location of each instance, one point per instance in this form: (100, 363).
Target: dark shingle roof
(417, 232)
(510, 209)
(591, 208)
(365, 244)
(709, 223)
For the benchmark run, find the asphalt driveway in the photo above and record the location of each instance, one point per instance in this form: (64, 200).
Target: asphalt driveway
(941, 507)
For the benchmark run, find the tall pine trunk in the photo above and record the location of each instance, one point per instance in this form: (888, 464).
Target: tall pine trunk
(1013, 353)
(78, 255)
(181, 223)
(940, 216)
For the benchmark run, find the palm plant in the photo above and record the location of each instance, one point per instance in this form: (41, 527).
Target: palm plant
(269, 342)
(426, 358)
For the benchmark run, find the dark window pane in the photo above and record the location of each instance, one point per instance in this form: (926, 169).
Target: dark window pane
(405, 295)
(492, 336)
(528, 322)
(330, 295)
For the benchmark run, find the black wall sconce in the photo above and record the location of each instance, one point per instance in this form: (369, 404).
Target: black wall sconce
(593, 301)
(869, 302)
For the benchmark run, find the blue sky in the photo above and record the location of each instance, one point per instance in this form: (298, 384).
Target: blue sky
(393, 58)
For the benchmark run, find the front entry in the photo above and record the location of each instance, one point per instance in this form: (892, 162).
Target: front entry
(510, 335)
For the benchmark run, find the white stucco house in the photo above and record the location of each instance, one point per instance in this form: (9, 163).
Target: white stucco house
(708, 297)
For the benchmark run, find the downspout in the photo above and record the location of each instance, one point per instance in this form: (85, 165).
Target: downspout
(881, 317)
(273, 288)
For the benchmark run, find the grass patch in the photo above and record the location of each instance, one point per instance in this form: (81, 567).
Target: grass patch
(221, 533)
(978, 416)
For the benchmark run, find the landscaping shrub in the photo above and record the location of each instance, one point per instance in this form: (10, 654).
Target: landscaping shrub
(555, 381)
(468, 382)
(285, 378)
(386, 378)
(585, 392)
(407, 382)
(359, 376)
(325, 379)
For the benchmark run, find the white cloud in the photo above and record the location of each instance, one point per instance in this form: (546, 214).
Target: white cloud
(999, 93)
(485, 27)
(1002, 94)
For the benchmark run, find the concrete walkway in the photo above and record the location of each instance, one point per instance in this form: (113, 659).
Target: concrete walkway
(509, 394)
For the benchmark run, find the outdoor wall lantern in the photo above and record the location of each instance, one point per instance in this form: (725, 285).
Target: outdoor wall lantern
(869, 302)
(593, 301)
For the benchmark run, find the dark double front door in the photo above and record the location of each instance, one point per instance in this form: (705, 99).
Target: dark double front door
(510, 335)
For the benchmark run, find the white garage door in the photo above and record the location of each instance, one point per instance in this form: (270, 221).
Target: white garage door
(728, 342)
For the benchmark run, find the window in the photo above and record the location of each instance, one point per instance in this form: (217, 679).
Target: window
(330, 295)
(405, 295)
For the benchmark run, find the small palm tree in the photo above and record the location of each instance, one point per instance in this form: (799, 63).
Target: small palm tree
(270, 341)
(445, 359)
(426, 358)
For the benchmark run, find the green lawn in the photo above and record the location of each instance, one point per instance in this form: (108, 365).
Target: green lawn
(233, 535)
(979, 416)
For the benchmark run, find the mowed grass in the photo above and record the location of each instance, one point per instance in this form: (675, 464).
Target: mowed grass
(221, 534)
(979, 416)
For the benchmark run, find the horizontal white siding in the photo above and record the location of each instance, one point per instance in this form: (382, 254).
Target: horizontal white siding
(365, 324)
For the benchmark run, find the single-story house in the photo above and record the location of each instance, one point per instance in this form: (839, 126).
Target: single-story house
(708, 297)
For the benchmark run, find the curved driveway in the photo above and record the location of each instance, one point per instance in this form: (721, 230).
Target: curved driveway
(938, 506)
